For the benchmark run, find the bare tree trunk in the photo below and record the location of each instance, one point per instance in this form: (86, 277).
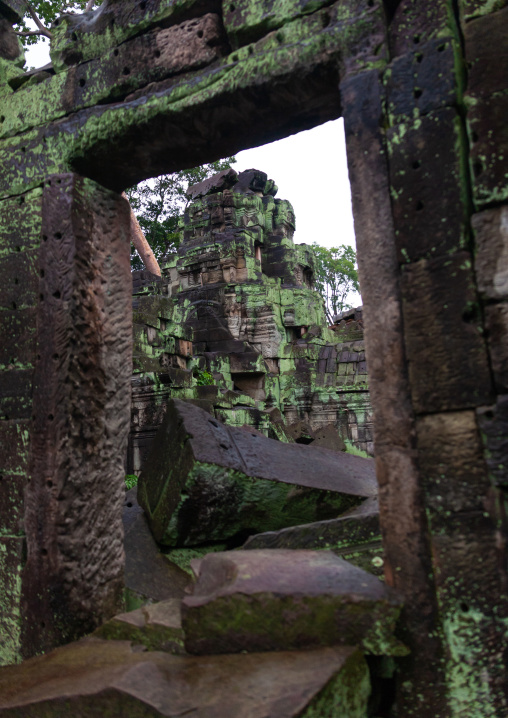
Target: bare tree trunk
(142, 247)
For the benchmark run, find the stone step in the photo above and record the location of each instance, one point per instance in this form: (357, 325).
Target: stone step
(156, 626)
(95, 677)
(269, 600)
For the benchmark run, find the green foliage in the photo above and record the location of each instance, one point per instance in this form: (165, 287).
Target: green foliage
(159, 203)
(47, 11)
(202, 377)
(336, 276)
(131, 480)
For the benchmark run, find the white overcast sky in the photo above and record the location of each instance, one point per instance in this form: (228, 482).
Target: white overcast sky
(310, 170)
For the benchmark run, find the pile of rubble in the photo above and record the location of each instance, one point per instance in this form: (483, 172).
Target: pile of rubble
(280, 626)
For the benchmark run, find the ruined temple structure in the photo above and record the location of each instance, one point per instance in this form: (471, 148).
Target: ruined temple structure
(236, 309)
(140, 88)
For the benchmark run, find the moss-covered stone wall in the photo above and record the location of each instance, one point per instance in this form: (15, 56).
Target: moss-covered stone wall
(138, 89)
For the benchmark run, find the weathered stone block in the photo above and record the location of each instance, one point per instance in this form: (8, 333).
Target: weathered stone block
(478, 8)
(486, 51)
(21, 280)
(441, 319)
(328, 437)
(360, 525)
(408, 568)
(469, 548)
(377, 258)
(488, 132)
(454, 475)
(16, 394)
(493, 422)
(414, 23)
(157, 626)
(12, 559)
(150, 57)
(426, 178)
(148, 574)
(422, 80)
(355, 537)
(279, 599)
(491, 261)
(13, 475)
(78, 38)
(245, 22)
(98, 677)
(19, 338)
(20, 220)
(14, 440)
(496, 324)
(206, 482)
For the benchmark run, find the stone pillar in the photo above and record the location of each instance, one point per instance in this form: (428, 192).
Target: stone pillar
(20, 231)
(78, 423)
(442, 519)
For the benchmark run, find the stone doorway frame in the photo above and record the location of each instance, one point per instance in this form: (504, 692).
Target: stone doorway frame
(396, 71)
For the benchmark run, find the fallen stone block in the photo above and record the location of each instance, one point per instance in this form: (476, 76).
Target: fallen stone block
(157, 626)
(149, 575)
(328, 437)
(285, 600)
(355, 536)
(112, 678)
(204, 482)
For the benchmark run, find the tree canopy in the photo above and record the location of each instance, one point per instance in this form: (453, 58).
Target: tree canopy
(336, 276)
(160, 202)
(44, 12)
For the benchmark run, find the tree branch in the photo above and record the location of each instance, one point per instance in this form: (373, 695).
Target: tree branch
(42, 30)
(28, 33)
(89, 5)
(142, 247)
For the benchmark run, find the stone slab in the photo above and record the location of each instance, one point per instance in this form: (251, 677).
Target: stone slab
(355, 537)
(21, 280)
(268, 600)
(110, 678)
(12, 559)
(328, 437)
(442, 317)
(414, 23)
(361, 525)
(148, 574)
(486, 53)
(493, 423)
(491, 261)
(422, 80)
(425, 176)
(16, 387)
(496, 324)
(151, 57)
(206, 482)
(454, 475)
(81, 37)
(488, 131)
(157, 626)
(221, 180)
(476, 8)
